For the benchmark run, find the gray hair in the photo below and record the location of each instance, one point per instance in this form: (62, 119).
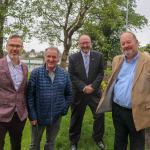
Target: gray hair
(53, 48)
(15, 36)
(133, 35)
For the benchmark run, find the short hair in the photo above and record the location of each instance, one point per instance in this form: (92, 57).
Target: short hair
(133, 35)
(15, 36)
(85, 35)
(53, 48)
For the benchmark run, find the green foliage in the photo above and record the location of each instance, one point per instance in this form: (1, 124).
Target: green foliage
(16, 15)
(107, 21)
(62, 141)
(57, 22)
(15, 18)
(104, 83)
(146, 48)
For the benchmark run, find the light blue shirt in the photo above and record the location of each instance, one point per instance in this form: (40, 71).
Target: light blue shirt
(124, 83)
(86, 60)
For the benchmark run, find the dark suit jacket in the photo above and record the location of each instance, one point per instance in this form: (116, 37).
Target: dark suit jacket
(78, 74)
(10, 99)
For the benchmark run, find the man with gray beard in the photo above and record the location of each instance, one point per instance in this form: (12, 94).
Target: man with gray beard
(128, 92)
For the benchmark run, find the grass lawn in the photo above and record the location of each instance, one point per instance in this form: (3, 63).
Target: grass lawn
(62, 141)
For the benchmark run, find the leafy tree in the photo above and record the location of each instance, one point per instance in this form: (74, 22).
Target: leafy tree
(107, 21)
(59, 21)
(145, 48)
(103, 20)
(15, 17)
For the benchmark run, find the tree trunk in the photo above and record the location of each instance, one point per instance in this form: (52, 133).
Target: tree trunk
(64, 62)
(67, 45)
(1, 47)
(1, 35)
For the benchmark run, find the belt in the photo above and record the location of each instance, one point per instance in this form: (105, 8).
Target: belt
(121, 107)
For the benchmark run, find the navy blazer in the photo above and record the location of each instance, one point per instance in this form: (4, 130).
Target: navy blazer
(78, 73)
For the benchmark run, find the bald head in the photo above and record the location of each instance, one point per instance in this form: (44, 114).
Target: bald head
(85, 43)
(129, 44)
(132, 35)
(84, 36)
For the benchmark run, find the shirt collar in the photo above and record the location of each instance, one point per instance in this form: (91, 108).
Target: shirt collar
(133, 59)
(54, 70)
(9, 61)
(83, 54)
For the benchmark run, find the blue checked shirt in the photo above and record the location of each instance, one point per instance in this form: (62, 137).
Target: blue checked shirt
(124, 82)
(86, 60)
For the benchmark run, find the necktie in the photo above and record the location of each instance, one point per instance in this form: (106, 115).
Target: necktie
(86, 64)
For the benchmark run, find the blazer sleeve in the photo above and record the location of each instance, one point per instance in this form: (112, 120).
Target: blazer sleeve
(96, 83)
(77, 83)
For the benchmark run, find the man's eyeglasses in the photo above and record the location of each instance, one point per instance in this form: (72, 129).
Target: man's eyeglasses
(84, 43)
(13, 46)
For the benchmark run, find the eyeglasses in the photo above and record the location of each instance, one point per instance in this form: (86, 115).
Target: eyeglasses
(85, 43)
(13, 46)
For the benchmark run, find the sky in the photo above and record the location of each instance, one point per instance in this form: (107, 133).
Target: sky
(143, 8)
(143, 35)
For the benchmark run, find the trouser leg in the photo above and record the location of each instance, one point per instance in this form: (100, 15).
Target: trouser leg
(78, 110)
(98, 124)
(3, 130)
(51, 133)
(36, 136)
(121, 131)
(15, 130)
(137, 138)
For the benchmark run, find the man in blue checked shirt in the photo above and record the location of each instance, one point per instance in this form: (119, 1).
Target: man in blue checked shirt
(48, 99)
(128, 93)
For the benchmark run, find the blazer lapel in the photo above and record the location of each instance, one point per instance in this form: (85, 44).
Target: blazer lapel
(25, 75)
(6, 68)
(116, 69)
(81, 63)
(139, 68)
(91, 63)
(105, 103)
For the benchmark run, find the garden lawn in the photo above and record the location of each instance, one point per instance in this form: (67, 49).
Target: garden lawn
(62, 142)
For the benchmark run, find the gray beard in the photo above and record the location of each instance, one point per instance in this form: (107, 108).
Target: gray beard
(127, 53)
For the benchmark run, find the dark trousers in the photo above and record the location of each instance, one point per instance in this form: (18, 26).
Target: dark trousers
(14, 128)
(124, 127)
(78, 110)
(51, 133)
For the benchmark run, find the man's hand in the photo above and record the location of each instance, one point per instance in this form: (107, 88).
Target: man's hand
(34, 122)
(88, 89)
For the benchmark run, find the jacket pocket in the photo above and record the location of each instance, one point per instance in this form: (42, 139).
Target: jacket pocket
(144, 84)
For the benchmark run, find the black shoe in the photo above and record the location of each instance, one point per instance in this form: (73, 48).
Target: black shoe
(74, 147)
(101, 145)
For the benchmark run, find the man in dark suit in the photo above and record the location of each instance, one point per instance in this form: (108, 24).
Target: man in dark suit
(86, 70)
(13, 83)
